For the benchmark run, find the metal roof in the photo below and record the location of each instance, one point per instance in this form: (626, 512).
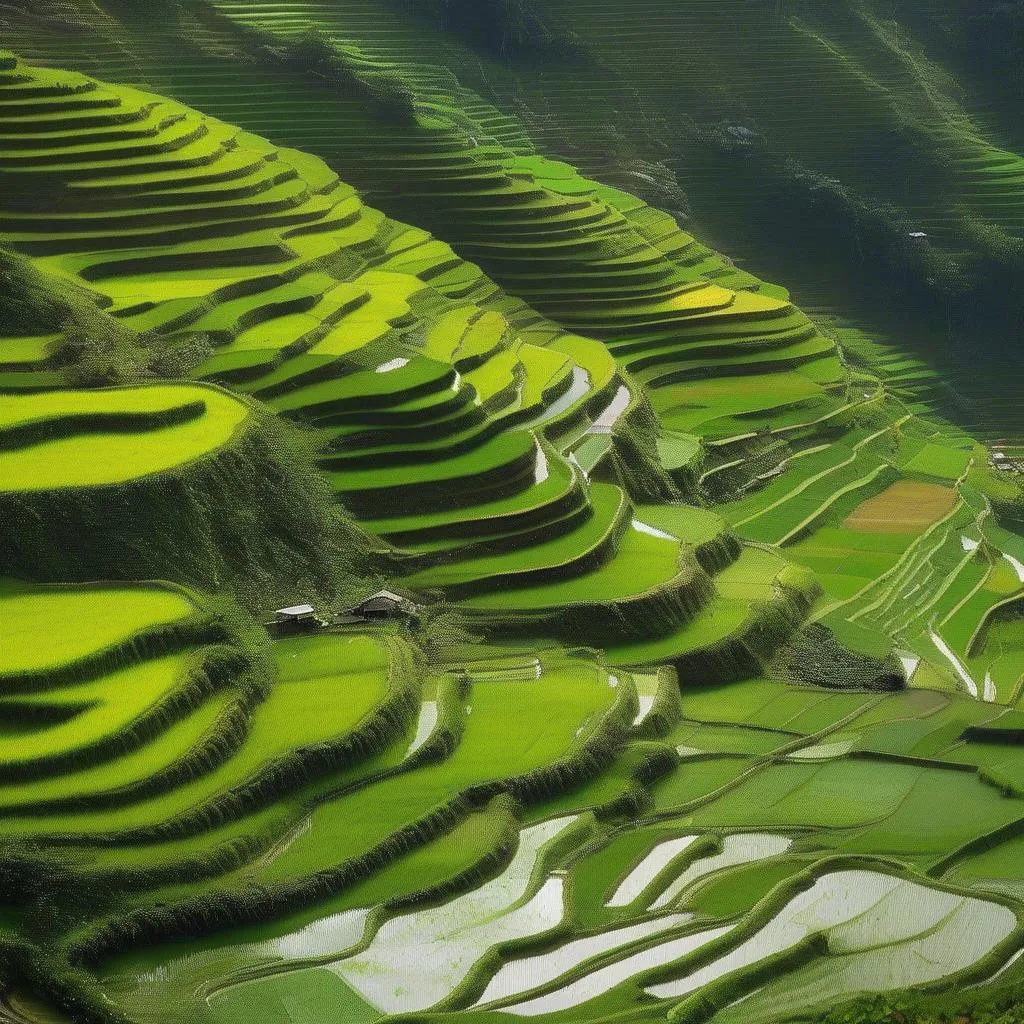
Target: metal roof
(385, 595)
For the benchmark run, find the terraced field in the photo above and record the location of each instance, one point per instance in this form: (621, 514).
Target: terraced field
(708, 706)
(472, 423)
(694, 896)
(899, 144)
(124, 470)
(707, 356)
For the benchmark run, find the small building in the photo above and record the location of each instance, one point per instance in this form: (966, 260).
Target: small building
(296, 614)
(741, 133)
(1000, 457)
(385, 604)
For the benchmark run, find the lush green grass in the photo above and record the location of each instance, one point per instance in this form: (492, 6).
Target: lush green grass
(89, 619)
(160, 755)
(319, 698)
(98, 451)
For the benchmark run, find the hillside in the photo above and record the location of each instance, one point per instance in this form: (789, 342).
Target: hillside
(708, 708)
(903, 139)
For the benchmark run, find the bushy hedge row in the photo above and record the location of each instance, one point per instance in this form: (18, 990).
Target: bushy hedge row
(23, 435)
(450, 725)
(763, 366)
(994, 734)
(544, 516)
(257, 904)
(981, 844)
(593, 558)
(584, 412)
(436, 495)
(667, 709)
(718, 553)
(745, 468)
(44, 974)
(469, 416)
(718, 994)
(109, 884)
(746, 652)
(219, 910)
(550, 529)
(341, 459)
(999, 1005)
(95, 348)
(506, 841)
(633, 459)
(268, 253)
(815, 657)
(644, 762)
(218, 745)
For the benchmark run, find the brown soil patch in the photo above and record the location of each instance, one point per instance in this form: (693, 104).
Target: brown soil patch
(906, 507)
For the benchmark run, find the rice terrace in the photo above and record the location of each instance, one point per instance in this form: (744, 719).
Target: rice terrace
(511, 509)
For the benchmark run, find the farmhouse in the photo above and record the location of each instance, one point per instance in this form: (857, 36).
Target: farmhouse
(385, 604)
(1003, 462)
(296, 614)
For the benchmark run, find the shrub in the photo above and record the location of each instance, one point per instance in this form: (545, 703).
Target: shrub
(1004, 1007)
(385, 90)
(442, 628)
(816, 657)
(513, 27)
(252, 517)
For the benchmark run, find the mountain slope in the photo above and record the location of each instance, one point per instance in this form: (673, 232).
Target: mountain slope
(750, 619)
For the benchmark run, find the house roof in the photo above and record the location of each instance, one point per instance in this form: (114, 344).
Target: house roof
(387, 596)
(296, 609)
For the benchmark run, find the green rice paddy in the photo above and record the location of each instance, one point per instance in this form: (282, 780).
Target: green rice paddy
(83, 441)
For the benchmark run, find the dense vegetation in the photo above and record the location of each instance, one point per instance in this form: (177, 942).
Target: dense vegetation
(708, 706)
